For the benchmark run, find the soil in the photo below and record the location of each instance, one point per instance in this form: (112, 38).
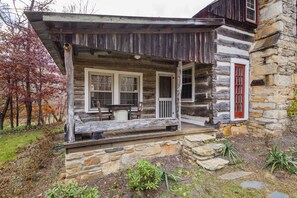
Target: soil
(116, 185)
(252, 150)
(24, 178)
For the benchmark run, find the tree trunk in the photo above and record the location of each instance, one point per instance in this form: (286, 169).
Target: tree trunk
(40, 114)
(52, 111)
(28, 102)
(17, 109)
(3, 113)
(11, 113)
(28, 85)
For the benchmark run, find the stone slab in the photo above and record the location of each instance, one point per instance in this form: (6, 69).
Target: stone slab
(252, 184)
(213, 164)
(203, 151)
(235, 175)
(278, 195)
(200, 138)
(217, 147)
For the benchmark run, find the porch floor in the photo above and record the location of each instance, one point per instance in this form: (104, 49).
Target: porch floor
(186, 128)
(110, 137)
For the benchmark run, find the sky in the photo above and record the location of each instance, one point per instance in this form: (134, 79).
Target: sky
(156, 8)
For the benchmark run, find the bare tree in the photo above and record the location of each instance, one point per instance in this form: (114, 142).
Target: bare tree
(80, 6)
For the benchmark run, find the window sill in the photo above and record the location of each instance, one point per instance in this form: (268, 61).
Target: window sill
(187, 100)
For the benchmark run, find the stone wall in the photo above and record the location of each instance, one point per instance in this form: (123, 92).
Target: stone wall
(93, 163)
(273, 62)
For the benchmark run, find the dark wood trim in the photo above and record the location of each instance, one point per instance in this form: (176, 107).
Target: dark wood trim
(135, 138)
(129, 30)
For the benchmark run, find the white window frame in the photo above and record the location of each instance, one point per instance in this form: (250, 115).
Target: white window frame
(116, 86)
(138, 85)
(186, 67)
(254, 9)
(246, 88)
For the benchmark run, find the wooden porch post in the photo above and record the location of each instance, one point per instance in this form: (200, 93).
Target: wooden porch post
(179, 75)
(70, 90)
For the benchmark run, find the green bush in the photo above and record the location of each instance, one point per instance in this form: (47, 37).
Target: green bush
(279, 159)
(144, 176)
(71, 190)
(230, 152)
(292, 110)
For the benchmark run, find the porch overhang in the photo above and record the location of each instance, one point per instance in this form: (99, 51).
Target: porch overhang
(168, 38)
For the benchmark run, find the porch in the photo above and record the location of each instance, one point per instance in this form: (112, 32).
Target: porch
(100, 54)
(133, 135)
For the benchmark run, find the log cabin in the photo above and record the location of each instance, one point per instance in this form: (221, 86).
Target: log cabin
(219, 69)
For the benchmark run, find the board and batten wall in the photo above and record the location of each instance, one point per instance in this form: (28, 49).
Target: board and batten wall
(230, 43)
(148, 69)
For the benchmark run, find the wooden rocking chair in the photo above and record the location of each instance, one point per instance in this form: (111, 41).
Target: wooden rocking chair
(103, 115)
(137, 114)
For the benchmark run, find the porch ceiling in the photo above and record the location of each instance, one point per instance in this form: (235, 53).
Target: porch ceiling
(169, 38)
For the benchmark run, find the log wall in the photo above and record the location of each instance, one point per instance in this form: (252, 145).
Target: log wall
(148, 69)
(230, 43)
(202, 105)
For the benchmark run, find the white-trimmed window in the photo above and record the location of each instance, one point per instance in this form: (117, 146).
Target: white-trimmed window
(101, 88)
(239, 89)
(188, 83)
(129, 89)
(251, 11)
(112, 87)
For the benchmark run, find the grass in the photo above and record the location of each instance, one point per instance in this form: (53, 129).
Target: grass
(12, 142)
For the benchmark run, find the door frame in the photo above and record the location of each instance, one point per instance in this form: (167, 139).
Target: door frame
(167, 74)
(246, 88)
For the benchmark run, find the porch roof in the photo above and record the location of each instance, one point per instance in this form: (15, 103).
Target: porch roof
(170, 38)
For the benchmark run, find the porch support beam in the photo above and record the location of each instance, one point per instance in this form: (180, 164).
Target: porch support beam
(70, 92)
(115, 125)
(179, 75)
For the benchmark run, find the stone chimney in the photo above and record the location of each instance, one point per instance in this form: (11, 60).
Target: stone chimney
(273, 59)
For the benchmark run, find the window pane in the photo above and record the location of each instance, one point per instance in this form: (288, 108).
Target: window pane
(187, 76)
(104, 98)
(165, 86)
(129, 98)
(187, 91)
(250, 14)
(101, 83)
(129, 84)
(187, 84)
(250, 4)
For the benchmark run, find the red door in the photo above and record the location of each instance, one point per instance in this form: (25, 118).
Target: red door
(239, 90)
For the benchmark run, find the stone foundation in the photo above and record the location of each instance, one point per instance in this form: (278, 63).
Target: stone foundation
(234, 128)
(93, 163)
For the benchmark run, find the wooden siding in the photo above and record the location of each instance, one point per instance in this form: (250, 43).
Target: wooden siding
(230, 43)
(233, 11)
(191, 46)
(203, 87)
(149, 81)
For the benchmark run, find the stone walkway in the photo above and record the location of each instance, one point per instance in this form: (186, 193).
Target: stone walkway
(251, 184)
(235, 175)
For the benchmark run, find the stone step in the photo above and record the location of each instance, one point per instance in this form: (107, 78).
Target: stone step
(210, 149)
(213, 164)
(197, 140)
(189, 154)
